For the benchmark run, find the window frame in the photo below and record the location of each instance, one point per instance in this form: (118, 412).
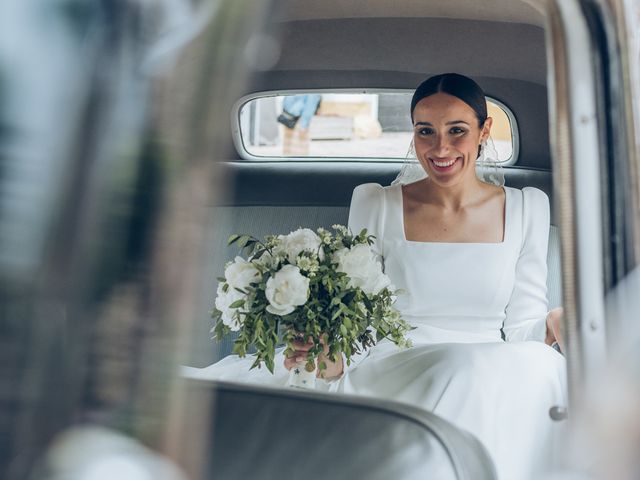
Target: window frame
(245, 155)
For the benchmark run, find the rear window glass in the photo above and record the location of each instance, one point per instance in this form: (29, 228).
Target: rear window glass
(322, 125)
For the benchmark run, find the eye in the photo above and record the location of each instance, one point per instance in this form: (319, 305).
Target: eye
(457, 131)
(425, 131)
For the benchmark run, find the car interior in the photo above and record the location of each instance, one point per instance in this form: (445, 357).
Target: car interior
(361, 46)
(334, 47)
(137, 137)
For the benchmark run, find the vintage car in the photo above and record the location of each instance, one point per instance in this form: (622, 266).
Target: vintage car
(157, 136)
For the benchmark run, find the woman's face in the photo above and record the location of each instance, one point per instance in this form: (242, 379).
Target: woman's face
(446, 135)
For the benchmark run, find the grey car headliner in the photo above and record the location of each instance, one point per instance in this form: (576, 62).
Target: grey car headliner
(517, 11)
(476, 48)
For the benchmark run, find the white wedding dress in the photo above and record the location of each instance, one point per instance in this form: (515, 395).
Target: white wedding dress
(462, 298)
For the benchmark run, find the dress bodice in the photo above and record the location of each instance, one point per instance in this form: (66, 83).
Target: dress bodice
(463, 292)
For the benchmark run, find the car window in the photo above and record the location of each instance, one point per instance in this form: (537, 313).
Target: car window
(343, 125)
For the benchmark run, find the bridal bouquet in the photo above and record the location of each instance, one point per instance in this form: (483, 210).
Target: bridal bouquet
(325, 287)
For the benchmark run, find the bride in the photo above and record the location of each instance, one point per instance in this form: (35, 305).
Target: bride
(471, 259)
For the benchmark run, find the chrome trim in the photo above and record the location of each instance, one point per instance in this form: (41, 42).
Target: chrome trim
(574, 133)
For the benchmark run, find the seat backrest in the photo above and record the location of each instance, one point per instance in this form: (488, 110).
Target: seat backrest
(280, 197)
(318, 436)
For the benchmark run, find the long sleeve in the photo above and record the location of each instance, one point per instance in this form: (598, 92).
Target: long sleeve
(527, 309)
(367, 210)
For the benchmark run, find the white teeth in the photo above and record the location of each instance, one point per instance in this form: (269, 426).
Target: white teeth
(444, 164)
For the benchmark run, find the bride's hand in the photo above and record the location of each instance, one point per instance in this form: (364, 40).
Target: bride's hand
(554, 328)
(299, 355)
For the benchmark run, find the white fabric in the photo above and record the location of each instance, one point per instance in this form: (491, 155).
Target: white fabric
(459, 296)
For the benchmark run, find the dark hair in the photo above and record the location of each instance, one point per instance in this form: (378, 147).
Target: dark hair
(457, 85)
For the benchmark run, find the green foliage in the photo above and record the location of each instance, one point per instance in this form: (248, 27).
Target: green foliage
(336, 314)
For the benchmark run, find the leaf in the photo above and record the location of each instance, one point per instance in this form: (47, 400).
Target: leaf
(243, 240)
(220, 330)
(256, 363)
(237, 303)
(269, 361)
(232, 238)
(239, 348)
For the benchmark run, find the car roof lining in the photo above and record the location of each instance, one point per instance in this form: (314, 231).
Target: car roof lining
(415, 45)
(516, 11)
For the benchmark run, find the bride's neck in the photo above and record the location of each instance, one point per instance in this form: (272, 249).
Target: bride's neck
(455, 197)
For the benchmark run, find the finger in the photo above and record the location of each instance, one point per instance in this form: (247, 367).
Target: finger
(305, 347)
(291, 362)
(557, 330)
(560, 340)
(558, 337)
(297, 356)
(302, 351)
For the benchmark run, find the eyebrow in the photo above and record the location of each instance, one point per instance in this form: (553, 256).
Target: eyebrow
(448, 123)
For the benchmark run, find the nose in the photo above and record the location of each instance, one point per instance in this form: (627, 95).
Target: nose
(441, 147)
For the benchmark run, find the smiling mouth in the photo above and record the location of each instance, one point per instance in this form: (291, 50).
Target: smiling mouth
(443, 165)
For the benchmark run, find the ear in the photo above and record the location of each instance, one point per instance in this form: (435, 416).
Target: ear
(486, 129)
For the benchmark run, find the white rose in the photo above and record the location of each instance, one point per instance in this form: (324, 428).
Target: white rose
(230, 316)
(286, 290)
(240, 273)
(363, 270)
(302, 240)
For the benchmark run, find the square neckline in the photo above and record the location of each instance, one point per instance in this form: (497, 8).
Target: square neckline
(507, 209)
